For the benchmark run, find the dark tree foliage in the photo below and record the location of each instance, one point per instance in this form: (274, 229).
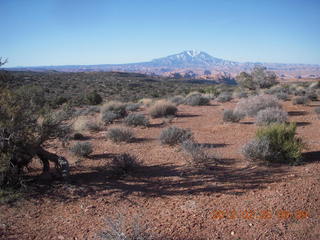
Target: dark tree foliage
(25, 124)
(93, 98)
(259, 78)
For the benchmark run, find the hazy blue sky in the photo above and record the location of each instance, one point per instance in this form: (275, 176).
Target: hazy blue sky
(59, 32)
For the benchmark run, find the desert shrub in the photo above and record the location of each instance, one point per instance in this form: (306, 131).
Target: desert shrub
(264, 78)
(122, 229)
(135, 119)
(197, 156)
(196, 100)
(239, 94)
(83, 124)
(275, 143)
(314, 85)
(224, 97)
(252, 105)
(124, 164)
(174, 135)
(90, 110)
(77, 136)
(93, 98)
(118, 108)
(271, 115)
(231, 116)
(93, 126)
(80, 124)
(317, 111)
(312, 95)
(109, 117)
(120, 134)
(146, 101)
(245, 80)
(300, 100)
(177, 100)
(162, 109)
(131, 107)
(81, 149)
(259, 78)
(299, 91)
(282, 96)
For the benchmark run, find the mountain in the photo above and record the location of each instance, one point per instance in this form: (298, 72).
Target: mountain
(193, 64)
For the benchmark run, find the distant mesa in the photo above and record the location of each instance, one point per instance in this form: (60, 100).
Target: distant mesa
(193, 64)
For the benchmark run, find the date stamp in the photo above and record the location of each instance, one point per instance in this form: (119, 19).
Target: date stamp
(260, 215)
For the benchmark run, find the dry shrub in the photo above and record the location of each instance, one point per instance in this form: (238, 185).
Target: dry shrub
(120, 134)
(300, 100)
(163, 109)
(174, 135)
(81, 149)
(124, 164)
(116, 107)
(135, 119)
(196, 99)
(252, 105)
(197, 156)
(271, 115)
(231, 116)
(146, 101)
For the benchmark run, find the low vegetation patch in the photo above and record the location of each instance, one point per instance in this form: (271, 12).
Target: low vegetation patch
(271, 115)
(232, 116)
(252, 105)
(197, 157)
(174, 135)
(120, 134)
(276, 143)
(163, 109)
(116, 107)
(224, 97)
(303, 100)
(124, 164)
(196, 100)
(131, 107)
(135, 119)
(81, 149)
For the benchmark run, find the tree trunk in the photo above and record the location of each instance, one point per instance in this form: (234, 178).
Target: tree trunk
(62, 165)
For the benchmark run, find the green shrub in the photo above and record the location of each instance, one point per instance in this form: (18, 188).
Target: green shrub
(163, 109)
(120, 134)
(135, 119)
(81, 149)
(174, 135)
(275, 143)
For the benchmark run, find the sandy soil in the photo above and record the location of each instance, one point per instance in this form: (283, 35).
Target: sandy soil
(233, 200)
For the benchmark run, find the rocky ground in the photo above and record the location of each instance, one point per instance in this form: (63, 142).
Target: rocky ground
(234, 199)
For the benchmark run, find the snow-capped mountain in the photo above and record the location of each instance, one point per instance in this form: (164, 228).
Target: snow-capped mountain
(190, 58)
(192, 63)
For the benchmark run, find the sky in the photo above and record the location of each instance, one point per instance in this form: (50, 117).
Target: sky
(65, 32)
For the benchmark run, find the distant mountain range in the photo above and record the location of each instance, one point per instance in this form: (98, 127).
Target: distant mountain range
(192, 64)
